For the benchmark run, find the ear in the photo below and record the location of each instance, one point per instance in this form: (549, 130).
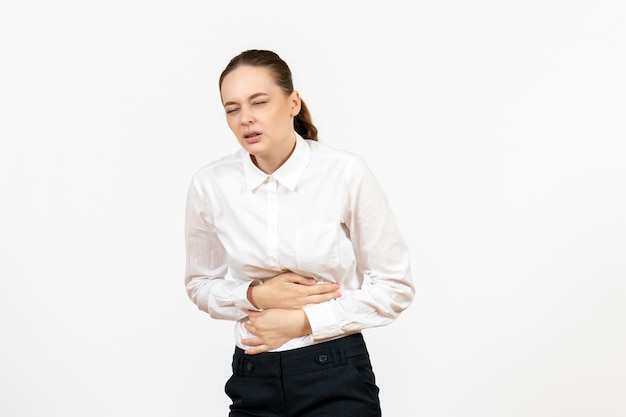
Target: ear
(295, 102)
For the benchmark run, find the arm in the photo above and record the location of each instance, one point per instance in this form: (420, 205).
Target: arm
(206, 264)
(382, 257)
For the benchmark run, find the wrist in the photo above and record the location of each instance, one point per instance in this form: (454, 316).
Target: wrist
(253, 295)
(306, 326)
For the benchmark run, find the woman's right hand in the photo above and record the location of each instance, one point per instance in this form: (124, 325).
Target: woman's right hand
(291, 291)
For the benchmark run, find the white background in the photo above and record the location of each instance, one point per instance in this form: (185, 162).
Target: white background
(497, 129)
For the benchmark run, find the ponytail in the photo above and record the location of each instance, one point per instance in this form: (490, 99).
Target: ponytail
(303, 123)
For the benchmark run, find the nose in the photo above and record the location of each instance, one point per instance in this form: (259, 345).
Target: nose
(246, 116)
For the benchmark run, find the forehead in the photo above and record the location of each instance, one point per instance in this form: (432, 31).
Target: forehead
(245, 81)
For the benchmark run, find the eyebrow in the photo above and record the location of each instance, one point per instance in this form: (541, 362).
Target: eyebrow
(253, 96)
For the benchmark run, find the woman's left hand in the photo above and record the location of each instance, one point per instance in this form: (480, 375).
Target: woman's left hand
(274, 327)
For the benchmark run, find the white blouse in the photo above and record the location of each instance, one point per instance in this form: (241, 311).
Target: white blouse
(322, 214)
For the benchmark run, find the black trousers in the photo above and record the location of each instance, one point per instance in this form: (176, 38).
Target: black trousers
(330, 379)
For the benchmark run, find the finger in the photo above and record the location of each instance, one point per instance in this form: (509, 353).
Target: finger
(252, 341)
(256, 350)
(299, 279)
(250, 328)
(323, 288)
(320, 298)
(254, 313)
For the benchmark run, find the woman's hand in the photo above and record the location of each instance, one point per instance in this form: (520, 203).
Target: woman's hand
(291, 291)
(282, 319)
(274, 327)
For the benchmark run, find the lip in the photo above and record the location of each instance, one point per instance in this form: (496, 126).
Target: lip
(252, 136)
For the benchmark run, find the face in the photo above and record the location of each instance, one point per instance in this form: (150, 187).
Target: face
(260, 114)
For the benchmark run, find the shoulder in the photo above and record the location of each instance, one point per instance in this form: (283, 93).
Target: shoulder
(348, 162)
(324, 152)
(219, 167)
(219, 173)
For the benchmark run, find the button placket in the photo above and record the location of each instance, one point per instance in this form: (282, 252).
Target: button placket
(272, 221)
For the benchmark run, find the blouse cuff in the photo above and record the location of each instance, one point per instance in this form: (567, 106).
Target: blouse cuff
(241, 295)
(322, 320)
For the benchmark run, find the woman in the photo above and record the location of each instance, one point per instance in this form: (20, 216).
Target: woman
(296, 243)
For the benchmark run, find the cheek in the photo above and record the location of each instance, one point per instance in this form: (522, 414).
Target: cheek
(232, 123)
(280, 117)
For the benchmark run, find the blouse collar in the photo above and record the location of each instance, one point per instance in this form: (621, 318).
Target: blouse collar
(288, 174)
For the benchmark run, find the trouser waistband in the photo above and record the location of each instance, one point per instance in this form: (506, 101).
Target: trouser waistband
(301, 360)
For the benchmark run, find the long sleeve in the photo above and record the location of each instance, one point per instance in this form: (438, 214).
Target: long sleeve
(382, 257)
(206, 264)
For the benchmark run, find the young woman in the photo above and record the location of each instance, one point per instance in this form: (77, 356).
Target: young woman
(296, 243)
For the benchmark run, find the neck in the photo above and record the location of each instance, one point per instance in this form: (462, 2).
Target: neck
(269, 163)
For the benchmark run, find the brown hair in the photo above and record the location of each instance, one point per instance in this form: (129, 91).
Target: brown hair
(303, 124)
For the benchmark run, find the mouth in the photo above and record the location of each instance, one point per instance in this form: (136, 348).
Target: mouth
(252, 136)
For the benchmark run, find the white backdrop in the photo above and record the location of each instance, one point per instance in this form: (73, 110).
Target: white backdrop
(497, 129)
